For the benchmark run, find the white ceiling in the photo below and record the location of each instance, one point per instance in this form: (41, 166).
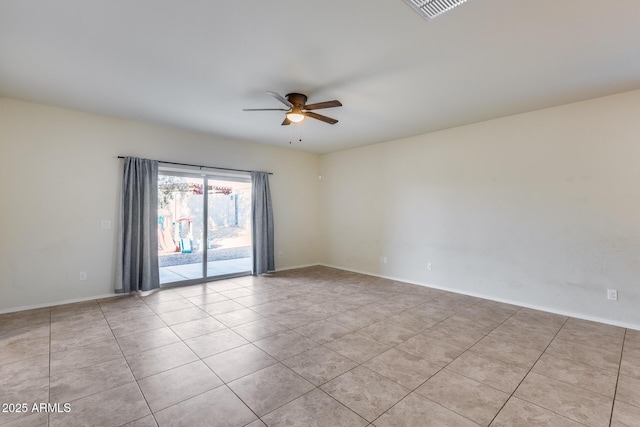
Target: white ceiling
(195, 64)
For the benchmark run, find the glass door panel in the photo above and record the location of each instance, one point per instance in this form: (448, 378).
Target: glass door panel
(180, 227)
(229, 227)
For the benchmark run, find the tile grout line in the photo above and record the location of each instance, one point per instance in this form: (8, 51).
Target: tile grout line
(465, 351)
(581, 362)
(615, 391)
(278, 360)
(383, 319)
(450, 362)
(529, 371)
(444, 366)
(345, 406)
(563, 358)
(316, 387)
(575, 385)
(281, 362)
(224, 383)
(197, 355)
(128, 366)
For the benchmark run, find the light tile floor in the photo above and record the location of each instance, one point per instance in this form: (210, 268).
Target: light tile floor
(314, 347)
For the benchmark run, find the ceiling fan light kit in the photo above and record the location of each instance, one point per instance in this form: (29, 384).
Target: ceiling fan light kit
(430, 9)
(299, 109)
(295, 115)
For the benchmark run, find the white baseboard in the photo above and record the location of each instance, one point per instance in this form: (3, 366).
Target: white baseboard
(53, 304)
(399, 279)
(506, 301)
(71, 301)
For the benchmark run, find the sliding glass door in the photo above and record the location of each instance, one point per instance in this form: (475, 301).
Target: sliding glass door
(204, 226)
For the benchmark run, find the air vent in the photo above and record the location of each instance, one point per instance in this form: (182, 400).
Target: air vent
(432, 8)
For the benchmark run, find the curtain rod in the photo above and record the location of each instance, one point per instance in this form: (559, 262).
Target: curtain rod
(201, 166)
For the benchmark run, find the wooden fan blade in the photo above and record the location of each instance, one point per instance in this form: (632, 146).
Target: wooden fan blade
(321, 118)
(264, 109)
(286, 122)
(326, 104)
(281, 99)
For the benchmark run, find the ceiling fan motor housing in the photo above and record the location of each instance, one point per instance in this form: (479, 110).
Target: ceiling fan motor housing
(297, 99)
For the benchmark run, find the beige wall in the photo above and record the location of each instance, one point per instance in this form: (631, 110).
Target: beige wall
(60, 177)
(541, 209)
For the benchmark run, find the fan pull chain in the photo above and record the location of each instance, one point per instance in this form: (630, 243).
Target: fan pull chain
(291, 131)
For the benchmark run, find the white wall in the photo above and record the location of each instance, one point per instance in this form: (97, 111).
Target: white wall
(541, 209)
(60, 176)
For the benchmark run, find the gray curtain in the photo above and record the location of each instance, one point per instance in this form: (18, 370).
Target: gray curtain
(137, 262)
(262, 224)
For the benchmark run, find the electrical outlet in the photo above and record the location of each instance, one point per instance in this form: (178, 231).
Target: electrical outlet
(280, 254)
(612, 294)
(83, 275)
(428, 266)
(105, 224)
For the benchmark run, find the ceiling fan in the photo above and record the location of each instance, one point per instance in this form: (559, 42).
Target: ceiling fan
(298, 109)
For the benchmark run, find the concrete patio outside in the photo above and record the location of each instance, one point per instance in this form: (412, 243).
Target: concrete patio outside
(177, 273)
